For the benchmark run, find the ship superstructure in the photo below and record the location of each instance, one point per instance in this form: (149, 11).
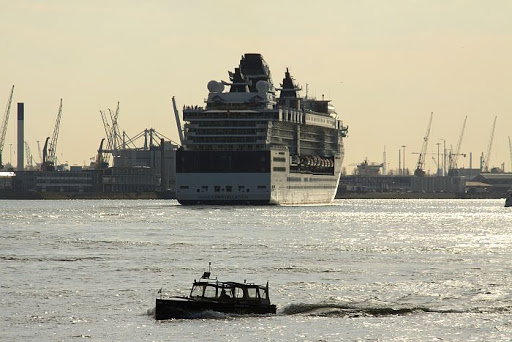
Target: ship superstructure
(250, 146)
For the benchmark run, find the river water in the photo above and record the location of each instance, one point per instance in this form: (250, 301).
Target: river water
(354, 270)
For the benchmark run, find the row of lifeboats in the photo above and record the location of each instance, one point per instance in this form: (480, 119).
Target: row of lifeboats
(313, 161)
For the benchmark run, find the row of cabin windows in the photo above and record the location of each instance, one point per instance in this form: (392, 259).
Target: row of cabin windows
(210, 291)
(230, 123)
(229, 188)
(225, 139)
(217, 188)
(222, 147)
(230, 114)
(224, 131)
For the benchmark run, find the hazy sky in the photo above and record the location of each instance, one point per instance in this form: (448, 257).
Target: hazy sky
(385, 64)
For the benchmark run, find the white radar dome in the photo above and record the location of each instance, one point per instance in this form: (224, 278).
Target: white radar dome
(215, 87)
(262, 86)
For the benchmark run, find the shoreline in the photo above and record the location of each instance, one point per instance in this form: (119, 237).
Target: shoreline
(16, 195)
(418, 195)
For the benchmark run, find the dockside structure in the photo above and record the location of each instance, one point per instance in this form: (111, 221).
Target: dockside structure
(134, 171)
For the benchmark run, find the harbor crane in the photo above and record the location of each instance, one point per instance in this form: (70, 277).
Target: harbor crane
(433, 154)
(419, 172)
(108, 134)
(113, 138)
(115, 134)
(50, 149)
(486, 160)
(178, 121)
(44, 163)
(40, 155)
(102, 158)
(453, 156)
(3, 128)
(30, 160)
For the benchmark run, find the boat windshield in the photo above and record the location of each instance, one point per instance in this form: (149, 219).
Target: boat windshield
(239, 292)
(252, 292)
(197, 291)
(210, 291)
(248, 293)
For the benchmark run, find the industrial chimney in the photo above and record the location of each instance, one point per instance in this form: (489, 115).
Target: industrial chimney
(21, 138)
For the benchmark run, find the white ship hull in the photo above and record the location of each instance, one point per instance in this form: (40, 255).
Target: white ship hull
(257, 189)
(275, 187)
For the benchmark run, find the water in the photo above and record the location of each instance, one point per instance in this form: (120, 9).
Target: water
(355, 270)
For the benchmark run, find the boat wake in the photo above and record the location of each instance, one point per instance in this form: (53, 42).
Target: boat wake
(151, 312)
(339, 310)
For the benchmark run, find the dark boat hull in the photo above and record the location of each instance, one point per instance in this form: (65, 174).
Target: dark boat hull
(183, 308)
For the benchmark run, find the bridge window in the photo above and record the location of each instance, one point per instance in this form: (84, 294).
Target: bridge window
(252, 292)
(239, 292)
(197, 291)
(210, 292)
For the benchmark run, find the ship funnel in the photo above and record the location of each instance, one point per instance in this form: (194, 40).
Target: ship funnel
(21, 138)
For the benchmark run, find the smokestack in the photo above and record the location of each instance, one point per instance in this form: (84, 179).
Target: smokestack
(21, 138)
(162, 165)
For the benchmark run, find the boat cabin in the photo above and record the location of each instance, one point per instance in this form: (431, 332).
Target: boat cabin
(213, 295)
(216, 290)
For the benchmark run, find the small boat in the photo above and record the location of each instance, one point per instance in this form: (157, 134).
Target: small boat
(220, 296)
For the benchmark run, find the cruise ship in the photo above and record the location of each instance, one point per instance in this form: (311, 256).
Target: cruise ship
(254, 143)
